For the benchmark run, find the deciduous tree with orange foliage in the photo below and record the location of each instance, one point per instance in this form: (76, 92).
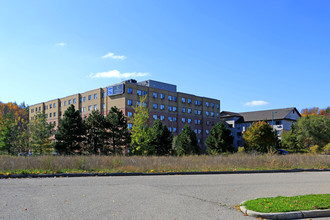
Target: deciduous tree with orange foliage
(13, 125)
(315, 111)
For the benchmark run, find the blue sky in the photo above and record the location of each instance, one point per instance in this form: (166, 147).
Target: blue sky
(252, 55)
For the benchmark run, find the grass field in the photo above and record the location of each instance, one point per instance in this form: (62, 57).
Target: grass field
(115, 164)
(289, 204)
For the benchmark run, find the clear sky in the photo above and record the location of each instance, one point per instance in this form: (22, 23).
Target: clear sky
(250, 54)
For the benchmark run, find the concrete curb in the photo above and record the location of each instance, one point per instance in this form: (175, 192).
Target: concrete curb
(286, 215)
(3, 176)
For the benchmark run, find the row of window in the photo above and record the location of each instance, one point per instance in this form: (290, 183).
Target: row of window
(69, 102)
(172, 98)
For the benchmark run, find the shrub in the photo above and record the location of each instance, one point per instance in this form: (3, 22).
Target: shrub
(241, 150)
(326, 149)
(315, 149)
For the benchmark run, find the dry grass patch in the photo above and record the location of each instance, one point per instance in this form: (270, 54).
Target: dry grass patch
(58, 164)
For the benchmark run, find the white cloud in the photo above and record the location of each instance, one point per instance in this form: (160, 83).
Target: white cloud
(117, 74)
(113, 56)
(60, 44)
(256, 103)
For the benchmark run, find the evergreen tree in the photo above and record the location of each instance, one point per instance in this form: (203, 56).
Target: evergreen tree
(96, 132)
(118, 135)
(187, 142)
(40, 133)
(219, 140)
(289, 140)
(140, 133)
(161, 138)
(70, 133)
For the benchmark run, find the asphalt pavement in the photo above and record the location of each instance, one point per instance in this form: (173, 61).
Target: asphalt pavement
(149, 197)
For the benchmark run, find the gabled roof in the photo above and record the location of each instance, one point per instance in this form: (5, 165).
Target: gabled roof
(261, 115)
(267, 114)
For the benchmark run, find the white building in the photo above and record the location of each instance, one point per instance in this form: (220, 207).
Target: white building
(280, 119)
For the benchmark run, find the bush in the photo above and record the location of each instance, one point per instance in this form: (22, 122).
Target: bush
(326, 149)
(241, 150)
(315, 149)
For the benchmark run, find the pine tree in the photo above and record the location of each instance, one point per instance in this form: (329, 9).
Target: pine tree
(187, 142)
(161, 138)
(219, 140)
(118, 135)
(70, 133)
(96, 132)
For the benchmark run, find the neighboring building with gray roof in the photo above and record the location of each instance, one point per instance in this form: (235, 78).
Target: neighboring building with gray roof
(280, 119)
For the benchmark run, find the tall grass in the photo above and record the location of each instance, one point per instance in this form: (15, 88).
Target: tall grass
(51, 164)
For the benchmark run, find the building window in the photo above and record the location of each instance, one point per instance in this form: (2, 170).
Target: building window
(89, 108)
(212, 114)
(54, 106)
(207, 104)
(174, 98)
(183, 110)
(196, 102)
(95, 107)
(183, 120)
(129, 90)
(74, 101)
(199, 131)
(103, 106)
(174, 129)
(174, 108)
(103, 94)
(207, 113)
(195, 121)
(162, 107)
(162, 117)
(195, 131)
(138, 103)
(129, 126)
(155, 106)
(207, 123)
(129, 102)
(189, 110)
(189, 120)
(139, 92)
(183, 100)
(207, 131)
(129, 114)
(170, 129)
(90, 97)
(84, 99)
(144, 93)
(174, 119)
(212, 104)
(60, 113)
(144, 104)
(218, 115)
(278, 122)
(154, 94)
(50, 106)
(162, 96)
(199, 103)
(169, 118)
(95, 96)
(196, 112)
(50, 115)
(199, 141)
(154, 117)
(169, 108)
(54, 114)
(39, 109)
(218, 106)
(69, 102)
(199, 112)
(169, 98)
(199, 122)
(64, 103)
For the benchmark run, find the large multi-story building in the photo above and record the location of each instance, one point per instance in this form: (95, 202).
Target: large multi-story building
(280, 119)
(174, 109)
